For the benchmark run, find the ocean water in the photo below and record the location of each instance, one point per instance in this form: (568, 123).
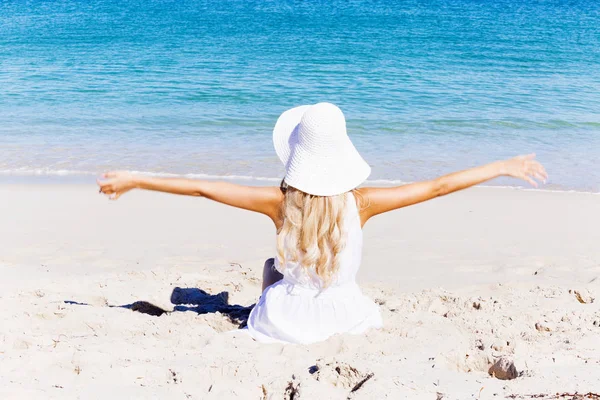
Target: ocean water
(194, 87)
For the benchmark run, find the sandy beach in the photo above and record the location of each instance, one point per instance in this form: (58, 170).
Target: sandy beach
(461, 281)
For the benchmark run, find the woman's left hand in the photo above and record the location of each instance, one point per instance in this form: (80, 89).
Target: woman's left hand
(115, 184)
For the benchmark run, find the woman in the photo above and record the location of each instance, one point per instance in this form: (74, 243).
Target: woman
(309, 289)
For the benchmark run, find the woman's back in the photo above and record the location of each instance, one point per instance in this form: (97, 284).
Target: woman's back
(302, 308)
(349, 258)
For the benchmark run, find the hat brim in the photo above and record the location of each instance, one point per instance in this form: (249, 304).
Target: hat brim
(326, 176)
(285, 135)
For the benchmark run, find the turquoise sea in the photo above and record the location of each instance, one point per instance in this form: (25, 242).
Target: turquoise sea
(194, 87)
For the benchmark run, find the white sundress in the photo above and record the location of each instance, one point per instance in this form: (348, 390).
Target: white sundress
(296, 310)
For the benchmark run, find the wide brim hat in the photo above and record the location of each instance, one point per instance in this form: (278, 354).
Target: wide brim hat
(319, 157)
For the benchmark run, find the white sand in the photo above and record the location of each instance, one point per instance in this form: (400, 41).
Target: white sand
(461, 280)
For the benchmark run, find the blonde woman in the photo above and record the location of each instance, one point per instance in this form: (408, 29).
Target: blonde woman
(309, 289)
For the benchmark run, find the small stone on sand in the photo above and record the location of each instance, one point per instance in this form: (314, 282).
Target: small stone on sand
(503, 369)
(542, 327)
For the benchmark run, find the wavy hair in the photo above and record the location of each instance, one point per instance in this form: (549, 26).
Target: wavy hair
(312, 233)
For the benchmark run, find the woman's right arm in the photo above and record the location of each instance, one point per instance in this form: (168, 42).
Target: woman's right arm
(264, 200)
(381, 200)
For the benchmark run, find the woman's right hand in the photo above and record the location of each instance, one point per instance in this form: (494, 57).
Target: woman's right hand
(115, 184)
(525, 168)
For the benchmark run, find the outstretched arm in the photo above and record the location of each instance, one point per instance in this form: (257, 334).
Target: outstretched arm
(380, 200)
(265, 200)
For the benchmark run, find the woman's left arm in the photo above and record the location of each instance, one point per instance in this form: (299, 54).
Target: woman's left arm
(264, 200)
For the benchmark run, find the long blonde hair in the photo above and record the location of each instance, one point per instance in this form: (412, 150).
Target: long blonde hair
(313, 228)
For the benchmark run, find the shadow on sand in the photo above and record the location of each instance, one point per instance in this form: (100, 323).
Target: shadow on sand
(192, 299)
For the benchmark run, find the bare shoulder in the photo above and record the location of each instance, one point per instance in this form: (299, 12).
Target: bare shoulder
(372, 201)
(262, 199)
(273, 198)
(273, 193)
(379, 200)
(362, 196)
(266, 200)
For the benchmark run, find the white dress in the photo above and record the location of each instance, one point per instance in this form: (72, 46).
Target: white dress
(296, 310)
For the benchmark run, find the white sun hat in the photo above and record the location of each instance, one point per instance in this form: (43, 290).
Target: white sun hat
(319, 158)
